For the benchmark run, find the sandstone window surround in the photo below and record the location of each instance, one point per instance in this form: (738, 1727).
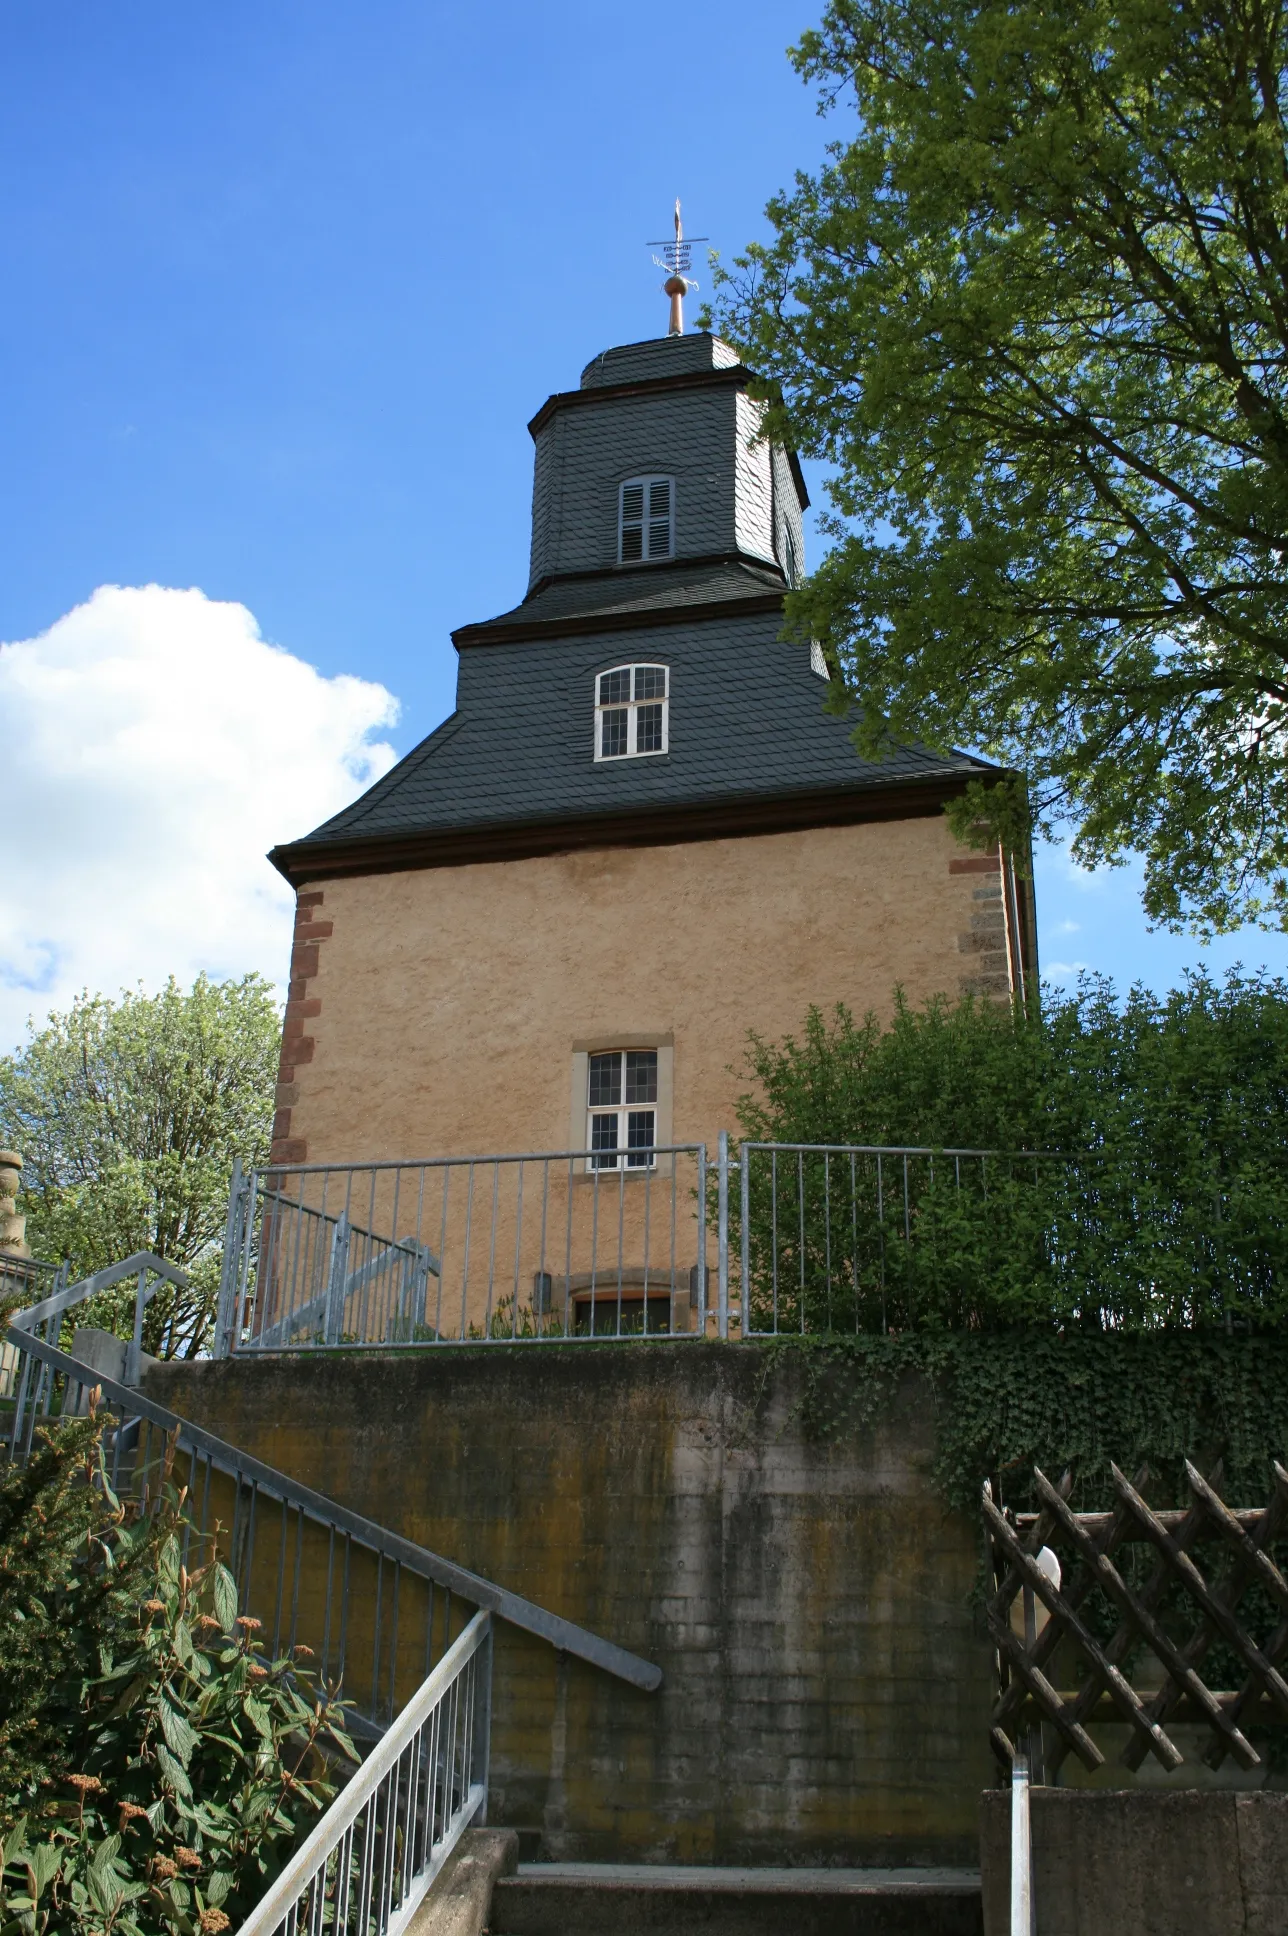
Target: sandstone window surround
(646, 520)
(621, 1103)
(632, 712)
(621, 1109)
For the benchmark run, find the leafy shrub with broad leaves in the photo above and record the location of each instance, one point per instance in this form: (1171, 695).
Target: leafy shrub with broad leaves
(159, 1768)
(1140, 1179)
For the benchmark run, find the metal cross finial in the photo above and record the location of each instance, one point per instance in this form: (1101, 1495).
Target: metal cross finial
(675, 259)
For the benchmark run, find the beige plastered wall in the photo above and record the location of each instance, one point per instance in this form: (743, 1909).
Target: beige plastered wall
(443, 1007)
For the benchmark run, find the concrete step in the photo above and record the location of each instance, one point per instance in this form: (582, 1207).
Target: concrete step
(619, 1899)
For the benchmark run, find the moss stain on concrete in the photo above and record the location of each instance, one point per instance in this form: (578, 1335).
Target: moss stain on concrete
(826, 1686)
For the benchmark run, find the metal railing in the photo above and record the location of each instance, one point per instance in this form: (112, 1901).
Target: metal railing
(149, 1272)
(832, 1238)
(807, 1238)
(484, 1249)
(377, 1610)
(367, 1865)
(767, 1239)
(842, 1237)
(22, 1275)
(47, 1277)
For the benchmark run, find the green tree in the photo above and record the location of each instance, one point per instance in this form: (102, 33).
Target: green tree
(128, 1115)
(1034, 311)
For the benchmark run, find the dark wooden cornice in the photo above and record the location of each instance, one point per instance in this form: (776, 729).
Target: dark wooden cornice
(660, 570)
(735, 375)
(902, 799)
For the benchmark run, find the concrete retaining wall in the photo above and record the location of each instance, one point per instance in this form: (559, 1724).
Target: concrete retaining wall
(1134, 1864)
(826, 1687)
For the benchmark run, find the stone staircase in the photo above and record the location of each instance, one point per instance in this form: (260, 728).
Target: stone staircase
(610, 1899)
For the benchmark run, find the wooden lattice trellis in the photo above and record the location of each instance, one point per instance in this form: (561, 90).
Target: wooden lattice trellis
(1200, 1604)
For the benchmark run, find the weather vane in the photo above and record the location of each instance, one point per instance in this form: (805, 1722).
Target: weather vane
(675, 259)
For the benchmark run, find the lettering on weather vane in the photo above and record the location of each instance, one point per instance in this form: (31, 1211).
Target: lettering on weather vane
(676, 258)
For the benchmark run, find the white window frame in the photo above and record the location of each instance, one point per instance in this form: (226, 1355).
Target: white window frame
(648, 556)
(623, 1033)
(622, 1157)
(818, 660)
(632, 707)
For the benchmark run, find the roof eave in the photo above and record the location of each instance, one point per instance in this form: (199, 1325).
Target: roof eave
(898, 798)
(798, 479)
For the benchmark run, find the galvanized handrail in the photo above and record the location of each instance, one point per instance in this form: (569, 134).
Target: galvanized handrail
(369, 1862)
(809, 1238)
(541, 1245)
(906, 1149)
(829, 1233)
(139, 1265)
(298, 1509)
(145, 1266)
(340, 1256)
(28, 1271)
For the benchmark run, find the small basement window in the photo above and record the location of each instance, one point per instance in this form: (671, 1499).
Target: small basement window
(632, 712)
(646, 520)
(621, 1109)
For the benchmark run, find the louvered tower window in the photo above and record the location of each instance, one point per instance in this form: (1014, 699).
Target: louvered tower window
(646, 520)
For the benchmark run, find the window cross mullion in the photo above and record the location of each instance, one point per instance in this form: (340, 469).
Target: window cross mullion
(622, 1107)
(632, 707)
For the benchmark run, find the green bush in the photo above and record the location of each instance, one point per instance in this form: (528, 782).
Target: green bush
(1139, 1175)
(158, 1768)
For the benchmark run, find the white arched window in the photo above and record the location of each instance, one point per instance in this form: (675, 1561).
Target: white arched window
(632, 711)
(646, 520)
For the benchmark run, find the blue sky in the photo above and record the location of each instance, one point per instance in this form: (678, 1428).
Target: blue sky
(284, 284)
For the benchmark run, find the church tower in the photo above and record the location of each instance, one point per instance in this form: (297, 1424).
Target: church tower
(639, 833)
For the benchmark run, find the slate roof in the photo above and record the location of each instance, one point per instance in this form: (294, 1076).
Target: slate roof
(746, 723)
(692, 354)
(749, 740)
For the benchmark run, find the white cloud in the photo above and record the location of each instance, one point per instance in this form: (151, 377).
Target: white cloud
(155, 748)
(1063, 971)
